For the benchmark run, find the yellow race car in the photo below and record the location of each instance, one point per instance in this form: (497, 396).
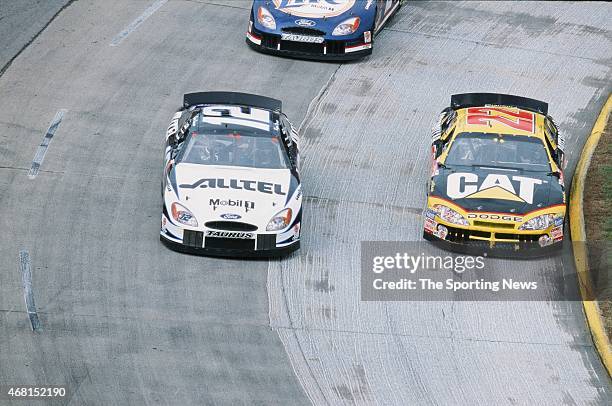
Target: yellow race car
(496, 176)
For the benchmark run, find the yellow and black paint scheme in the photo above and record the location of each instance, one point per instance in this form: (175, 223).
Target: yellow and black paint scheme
(494, 207)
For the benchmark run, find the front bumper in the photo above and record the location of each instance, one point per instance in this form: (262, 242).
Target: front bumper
(221, 244)
(331, 50)
(230, 252)
(493, 242)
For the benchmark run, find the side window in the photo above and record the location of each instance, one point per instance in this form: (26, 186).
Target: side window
(290, 146)
(551, 133)
(553, 152)
(443, 144)
(440, 134)
(551, 130)
(285, 130)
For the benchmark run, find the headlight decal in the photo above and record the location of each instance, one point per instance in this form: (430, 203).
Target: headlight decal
(450, 215)
(347, 27)
(541, 222)
(280, 220)
(181, 214)
(265, 18)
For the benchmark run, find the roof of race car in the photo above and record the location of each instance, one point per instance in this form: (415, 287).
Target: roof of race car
(231, 116)
(501, 120)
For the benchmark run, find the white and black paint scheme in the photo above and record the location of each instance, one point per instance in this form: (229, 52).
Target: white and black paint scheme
(231, 183)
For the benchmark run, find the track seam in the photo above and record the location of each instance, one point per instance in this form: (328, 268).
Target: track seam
(310, 114)
(10, 62)
(486, 43)
(373, 333)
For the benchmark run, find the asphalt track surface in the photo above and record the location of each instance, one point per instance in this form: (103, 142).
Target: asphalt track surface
(126, 321)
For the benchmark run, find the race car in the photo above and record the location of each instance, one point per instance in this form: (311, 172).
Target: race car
(318, 29)
(496, 176)
(231, 183)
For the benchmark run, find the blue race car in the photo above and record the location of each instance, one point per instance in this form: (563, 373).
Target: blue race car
(318, 29)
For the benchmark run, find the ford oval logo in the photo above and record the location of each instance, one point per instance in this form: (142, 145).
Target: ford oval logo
(305, 23)
(231, 216)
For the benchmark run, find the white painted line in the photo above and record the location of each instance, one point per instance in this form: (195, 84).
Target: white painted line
(28, 294)
(42, 148)
(136, 23)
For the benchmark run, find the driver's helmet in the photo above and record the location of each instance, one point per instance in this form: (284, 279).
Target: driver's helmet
(266, 152)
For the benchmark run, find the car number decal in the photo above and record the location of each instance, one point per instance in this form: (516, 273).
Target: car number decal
(519, 120)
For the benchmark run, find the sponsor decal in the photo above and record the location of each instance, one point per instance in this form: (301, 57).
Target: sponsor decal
(314, 8)
(302, 38)
(442, 232)
(224, 115)
(369, 4)
(484, 216)
(461, 185)
(513, 118)
(557, 232)
(367, 37)
(229, 234)
(430, 214)
(231, 216)
(239, 184)
(173, 127)
(232, 203)
(544, 241)
(558, 221)
(429, 225)
(305, 23)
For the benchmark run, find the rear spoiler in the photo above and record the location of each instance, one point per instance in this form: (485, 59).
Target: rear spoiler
(232, 98)
(460, 101)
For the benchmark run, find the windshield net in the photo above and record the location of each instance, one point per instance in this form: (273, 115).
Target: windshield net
(498, 150)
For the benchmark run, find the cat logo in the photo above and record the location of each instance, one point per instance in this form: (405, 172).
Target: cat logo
(463, 185)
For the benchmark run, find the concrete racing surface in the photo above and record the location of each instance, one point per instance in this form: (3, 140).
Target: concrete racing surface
(366, 144)
(123, 320)
(21, 21)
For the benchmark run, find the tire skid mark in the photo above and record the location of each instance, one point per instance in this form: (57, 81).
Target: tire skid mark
(28, 291)
(44, 145)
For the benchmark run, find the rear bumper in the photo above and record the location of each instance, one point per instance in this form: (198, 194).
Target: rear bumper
(328, 50)
(230, 252)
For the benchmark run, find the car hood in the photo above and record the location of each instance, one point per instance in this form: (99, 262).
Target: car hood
(249, 195)
(497, 190)
(323, 15)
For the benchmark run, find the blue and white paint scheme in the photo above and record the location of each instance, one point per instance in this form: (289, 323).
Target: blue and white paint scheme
(318, 29)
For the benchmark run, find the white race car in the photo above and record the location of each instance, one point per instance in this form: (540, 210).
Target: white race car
(231, 183)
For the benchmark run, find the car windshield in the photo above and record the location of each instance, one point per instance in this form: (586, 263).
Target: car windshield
(232, 145)
(498, 150)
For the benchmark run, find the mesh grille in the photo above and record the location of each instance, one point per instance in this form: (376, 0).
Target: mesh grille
(230, 226)
(495, 225)
(193, 238)
(303, 31)
(230, 243)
